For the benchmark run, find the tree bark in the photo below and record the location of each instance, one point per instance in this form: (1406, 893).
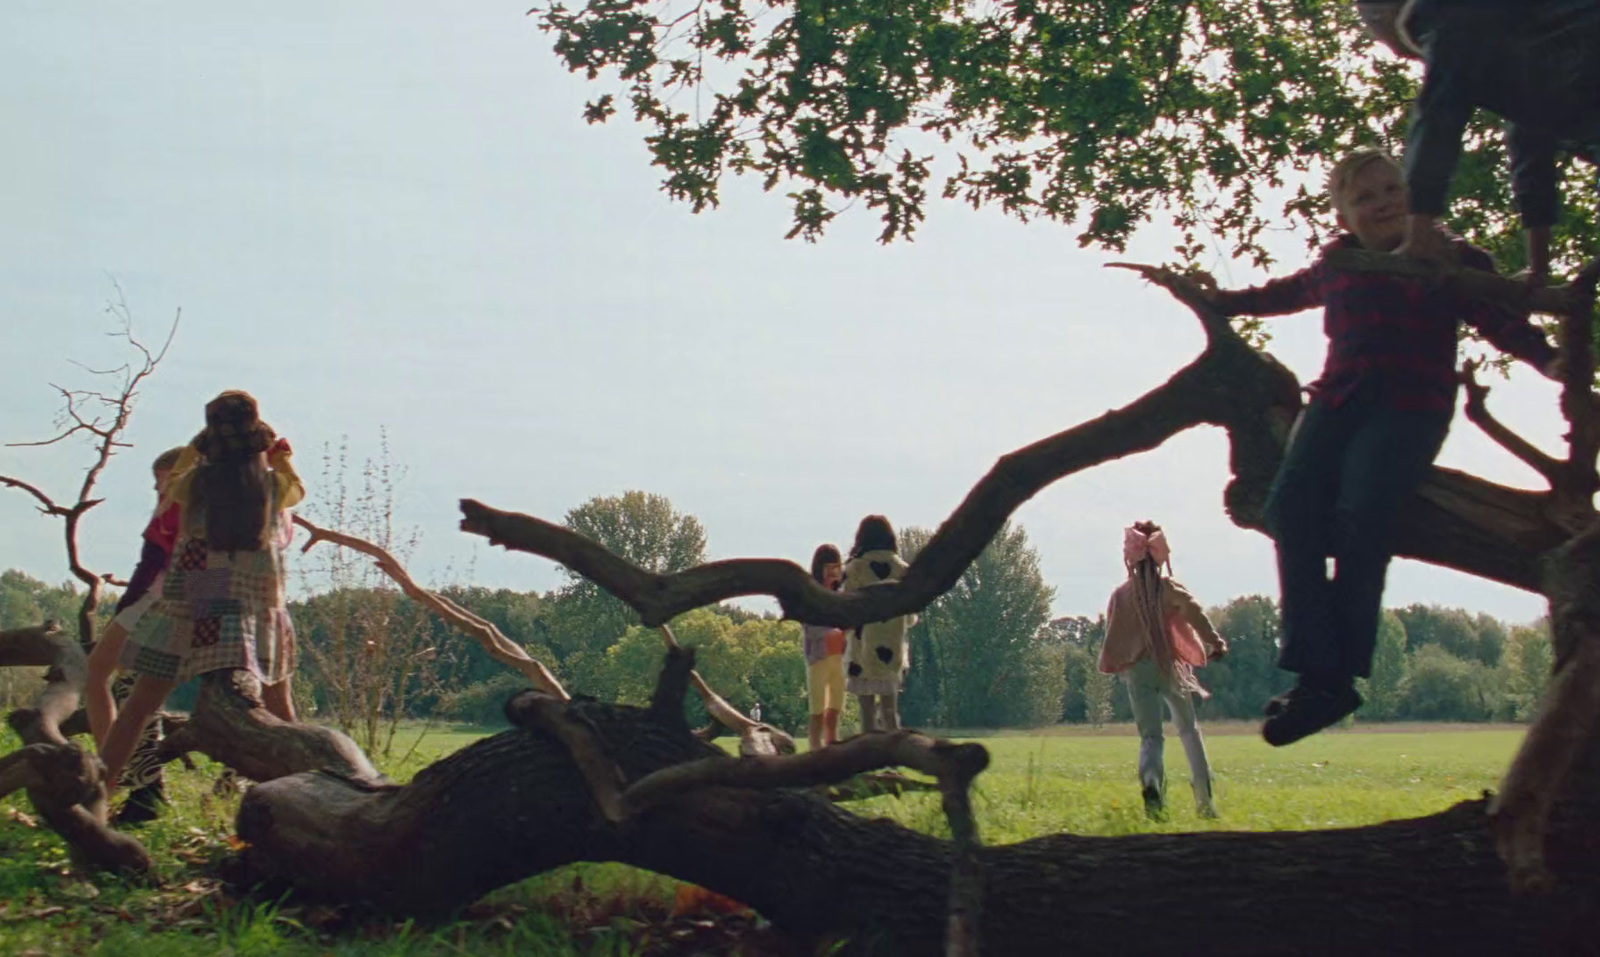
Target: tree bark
(64, 782)
(231, 725)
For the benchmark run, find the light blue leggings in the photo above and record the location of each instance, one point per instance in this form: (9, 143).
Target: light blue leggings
(1147, 689)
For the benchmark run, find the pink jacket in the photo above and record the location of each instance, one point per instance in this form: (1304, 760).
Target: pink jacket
(1188, 630)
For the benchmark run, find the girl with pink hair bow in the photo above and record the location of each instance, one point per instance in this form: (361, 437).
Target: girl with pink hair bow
(1156, 635)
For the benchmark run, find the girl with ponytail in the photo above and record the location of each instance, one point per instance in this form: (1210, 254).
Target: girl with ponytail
(1156, 635)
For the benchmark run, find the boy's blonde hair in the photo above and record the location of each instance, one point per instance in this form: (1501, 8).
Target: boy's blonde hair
(166, 460)
(1346, 169)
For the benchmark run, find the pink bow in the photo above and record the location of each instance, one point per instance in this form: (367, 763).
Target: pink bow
(1137, 546)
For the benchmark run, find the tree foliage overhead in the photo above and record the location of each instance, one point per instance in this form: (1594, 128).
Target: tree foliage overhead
(1095, 113)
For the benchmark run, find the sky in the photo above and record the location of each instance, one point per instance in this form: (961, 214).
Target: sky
(391, 219)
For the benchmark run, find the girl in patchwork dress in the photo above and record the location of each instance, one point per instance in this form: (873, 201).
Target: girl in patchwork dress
(878, 654)
(222, 604)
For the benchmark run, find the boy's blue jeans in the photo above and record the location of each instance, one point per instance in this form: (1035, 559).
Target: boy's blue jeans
(1346, 474)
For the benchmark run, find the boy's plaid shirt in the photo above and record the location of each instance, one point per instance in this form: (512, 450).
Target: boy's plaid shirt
(1390, 327)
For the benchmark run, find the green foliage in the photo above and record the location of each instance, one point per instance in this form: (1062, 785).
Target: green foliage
(1243, 681)
(1384, 691)
(520, 616)
(1080, 639)
(482, 703)
(1525, 671)
(1473, 638)
(758, 659)
(25, 600)
(643, 528)
(1099, 697)
(1442, 687)
(1096, 113)
(981, 656)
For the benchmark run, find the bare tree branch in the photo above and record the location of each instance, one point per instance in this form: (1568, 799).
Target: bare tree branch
(954, 765)
(46, 504)
(1192, 397)
(1468, 283)
(107, 441)
(1478, 413)
(499, 647)
(1458, 524)
(755, 737)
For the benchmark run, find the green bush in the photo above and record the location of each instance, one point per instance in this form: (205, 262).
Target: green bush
(483, 703)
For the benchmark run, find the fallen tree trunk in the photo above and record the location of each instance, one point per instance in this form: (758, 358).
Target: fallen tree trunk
(231, 725)
(516, 804)
(63, 781)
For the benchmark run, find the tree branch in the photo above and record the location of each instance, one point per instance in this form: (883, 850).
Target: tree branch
(954, 765)
(1467, 283)
(231, 725)
(106, 444)
(64, 782)
(1478, 413)
(755, 737)
(46, 504)
(493, 640)
(1578, 404)
(1207, 390)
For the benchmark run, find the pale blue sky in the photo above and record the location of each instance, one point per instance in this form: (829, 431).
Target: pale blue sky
(393, 216)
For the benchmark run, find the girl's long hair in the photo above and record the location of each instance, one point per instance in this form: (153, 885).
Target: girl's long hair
(874, 534)
(232, 496)
(232, 490)
(1146, 575)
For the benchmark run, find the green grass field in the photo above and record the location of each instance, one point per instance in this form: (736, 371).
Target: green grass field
(1061, 780)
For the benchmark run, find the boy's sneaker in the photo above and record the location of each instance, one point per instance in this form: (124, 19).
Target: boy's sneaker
(1154, 807)
(1304, 711)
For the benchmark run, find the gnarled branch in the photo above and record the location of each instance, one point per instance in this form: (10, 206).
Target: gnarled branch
(1228, 385)
(231, 725)
(493, 640)
(64, 782)
(1463, 282)
(1478, 414)
(47, 505)
(755, 737)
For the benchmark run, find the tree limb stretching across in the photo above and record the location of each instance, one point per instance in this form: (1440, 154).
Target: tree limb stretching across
(1461, 521)
(1227, 383)
(493, 640)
